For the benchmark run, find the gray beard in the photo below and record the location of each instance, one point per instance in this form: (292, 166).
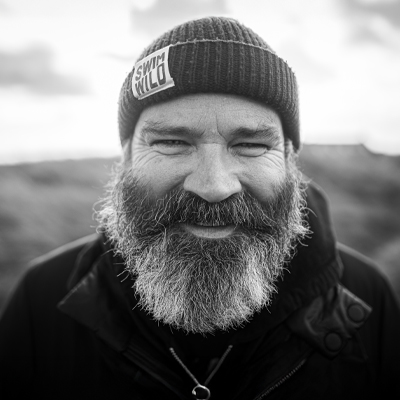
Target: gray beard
(196, 284)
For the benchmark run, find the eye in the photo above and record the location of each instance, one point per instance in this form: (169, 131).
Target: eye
(251, 149)
(170, 146)
(169, 143)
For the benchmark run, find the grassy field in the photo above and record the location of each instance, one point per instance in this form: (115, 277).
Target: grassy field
(44, 205)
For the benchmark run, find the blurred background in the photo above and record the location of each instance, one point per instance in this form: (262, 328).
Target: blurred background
(62, 64)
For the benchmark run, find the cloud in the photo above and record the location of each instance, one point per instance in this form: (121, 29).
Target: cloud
(373, 22)
(387, 9)
(164, 14)
(33, 69)
(367, 33)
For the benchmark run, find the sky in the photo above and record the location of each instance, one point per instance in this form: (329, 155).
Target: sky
(62, 64)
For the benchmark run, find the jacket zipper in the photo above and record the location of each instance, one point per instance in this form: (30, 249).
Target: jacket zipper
(282, 380)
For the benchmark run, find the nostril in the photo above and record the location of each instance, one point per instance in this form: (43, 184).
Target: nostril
(212, 187)
(213, 193)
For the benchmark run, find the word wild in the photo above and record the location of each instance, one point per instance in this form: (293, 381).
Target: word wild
(152, 74)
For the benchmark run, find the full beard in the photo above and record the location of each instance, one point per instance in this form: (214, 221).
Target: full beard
(196, 284)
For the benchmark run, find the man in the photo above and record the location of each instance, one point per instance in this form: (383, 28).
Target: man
(215, 273)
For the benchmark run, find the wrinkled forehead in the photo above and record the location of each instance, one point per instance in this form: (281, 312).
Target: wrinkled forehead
(200, 113)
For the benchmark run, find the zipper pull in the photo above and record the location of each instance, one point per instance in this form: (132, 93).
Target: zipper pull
(201, 392)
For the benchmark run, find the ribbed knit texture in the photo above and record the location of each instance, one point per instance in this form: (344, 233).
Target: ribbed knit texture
(218, 55)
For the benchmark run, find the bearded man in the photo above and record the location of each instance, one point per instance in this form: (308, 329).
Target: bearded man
(215, 272)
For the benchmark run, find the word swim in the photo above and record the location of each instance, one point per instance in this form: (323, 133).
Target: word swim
(152, 74)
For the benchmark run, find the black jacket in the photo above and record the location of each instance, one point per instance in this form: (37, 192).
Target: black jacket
(71, 330)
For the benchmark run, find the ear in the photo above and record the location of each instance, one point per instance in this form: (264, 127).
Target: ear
(127, 149)
(288, 147)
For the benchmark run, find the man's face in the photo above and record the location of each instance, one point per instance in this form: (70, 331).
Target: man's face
(206, 210)
(212, 145)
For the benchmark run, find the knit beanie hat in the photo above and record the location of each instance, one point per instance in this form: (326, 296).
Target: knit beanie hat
(210, 55)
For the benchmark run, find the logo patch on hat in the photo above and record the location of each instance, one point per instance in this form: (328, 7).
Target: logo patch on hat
(152, 74)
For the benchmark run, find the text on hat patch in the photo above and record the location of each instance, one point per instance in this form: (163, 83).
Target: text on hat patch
(152, 74)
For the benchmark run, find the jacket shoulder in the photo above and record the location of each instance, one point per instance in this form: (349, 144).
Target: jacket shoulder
(47, 276)
(62, 259)
(363, 277)
(354, 259)
(63, 253)
(38, 343)
(381, 332)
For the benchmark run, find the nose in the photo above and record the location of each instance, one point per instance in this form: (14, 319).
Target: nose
(214, 177)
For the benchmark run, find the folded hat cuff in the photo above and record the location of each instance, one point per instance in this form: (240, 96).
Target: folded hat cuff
(220, 66)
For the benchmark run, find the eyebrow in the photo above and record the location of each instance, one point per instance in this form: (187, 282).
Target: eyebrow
(269, 132)
(159, 128)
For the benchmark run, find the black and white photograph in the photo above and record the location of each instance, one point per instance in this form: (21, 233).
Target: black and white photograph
(199, 199)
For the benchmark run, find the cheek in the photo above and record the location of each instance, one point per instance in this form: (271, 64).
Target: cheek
(264, 179)
(158, 173)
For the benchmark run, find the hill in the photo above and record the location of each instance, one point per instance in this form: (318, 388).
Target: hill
(47, 204)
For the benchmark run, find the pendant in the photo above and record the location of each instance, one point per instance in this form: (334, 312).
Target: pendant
(201, 392)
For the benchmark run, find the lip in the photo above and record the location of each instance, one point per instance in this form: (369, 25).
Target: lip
(209, 232)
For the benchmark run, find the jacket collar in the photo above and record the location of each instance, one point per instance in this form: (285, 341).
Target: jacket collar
(100, 299)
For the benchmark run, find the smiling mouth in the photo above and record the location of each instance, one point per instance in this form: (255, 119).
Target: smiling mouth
(209, 231)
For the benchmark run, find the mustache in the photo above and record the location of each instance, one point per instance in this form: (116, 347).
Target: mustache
(151, 217)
